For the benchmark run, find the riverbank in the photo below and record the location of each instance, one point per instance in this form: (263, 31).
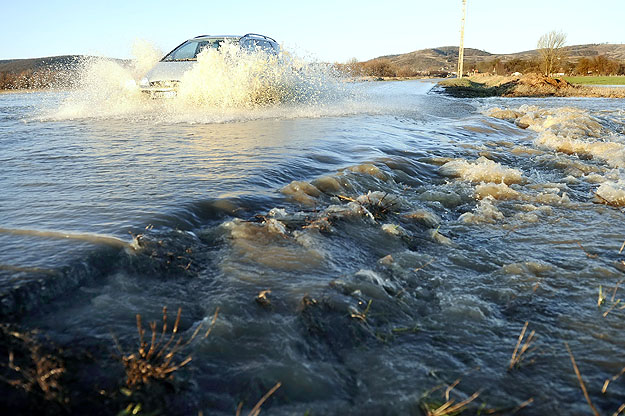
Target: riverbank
(531, 85)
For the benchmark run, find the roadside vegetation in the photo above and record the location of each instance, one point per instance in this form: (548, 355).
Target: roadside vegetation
(584, 68)
(383, 68)
(29, 79)
(38, 377)
(37, 73)
(41, 73)
(599, 70)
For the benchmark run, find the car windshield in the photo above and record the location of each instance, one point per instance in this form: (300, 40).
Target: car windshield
(189, 50)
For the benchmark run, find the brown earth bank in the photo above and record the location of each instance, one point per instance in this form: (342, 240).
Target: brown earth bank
(530, 85)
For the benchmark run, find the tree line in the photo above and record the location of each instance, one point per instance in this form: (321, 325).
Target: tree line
(30, 79)
(598, 65)
(383, 67)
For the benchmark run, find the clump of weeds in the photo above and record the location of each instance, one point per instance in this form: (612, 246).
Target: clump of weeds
(33, 370)
(163, 252)
(450, 405)
(159, 357)
(151, 367)
(378, 204)
(522, 349)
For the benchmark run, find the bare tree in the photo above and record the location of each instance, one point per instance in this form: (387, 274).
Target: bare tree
(550, 50)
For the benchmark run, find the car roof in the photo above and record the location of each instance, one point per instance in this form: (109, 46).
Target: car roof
(215, 37)
(238, 37)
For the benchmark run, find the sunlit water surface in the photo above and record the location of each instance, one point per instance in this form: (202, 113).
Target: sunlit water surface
(405, 239)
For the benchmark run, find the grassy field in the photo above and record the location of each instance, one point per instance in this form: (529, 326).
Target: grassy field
(596, 80)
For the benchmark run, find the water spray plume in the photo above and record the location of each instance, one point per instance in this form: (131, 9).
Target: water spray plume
(227, 80)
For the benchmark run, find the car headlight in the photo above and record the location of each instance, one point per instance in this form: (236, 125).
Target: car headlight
(144, 83)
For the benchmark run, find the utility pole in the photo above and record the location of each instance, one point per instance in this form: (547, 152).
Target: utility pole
(461, 50)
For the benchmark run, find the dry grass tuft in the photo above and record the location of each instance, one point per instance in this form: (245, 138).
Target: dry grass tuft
(614, 303)
(378, 207)
(424, 266)
(588, 254)
(449, 407)
(611, 379)
(362, 315)
(263, 298)
(522, 405)
(601, 297)
(158, 359)
(581, 381)
(518, 355)
(31, 369)
(256, 409)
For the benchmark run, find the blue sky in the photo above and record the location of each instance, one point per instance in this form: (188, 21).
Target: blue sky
(326, 30)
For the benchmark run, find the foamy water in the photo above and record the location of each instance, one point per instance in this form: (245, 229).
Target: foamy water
(365, 243)
(575, 131)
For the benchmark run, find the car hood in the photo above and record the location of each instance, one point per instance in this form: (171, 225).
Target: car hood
(169, 71)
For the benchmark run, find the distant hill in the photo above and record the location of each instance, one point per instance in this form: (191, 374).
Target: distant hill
(434, 59)
(50, 62)
(48, 72)
(446, 58)
(34, 64)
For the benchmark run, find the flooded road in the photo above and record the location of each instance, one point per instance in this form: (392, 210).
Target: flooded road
(365, 249)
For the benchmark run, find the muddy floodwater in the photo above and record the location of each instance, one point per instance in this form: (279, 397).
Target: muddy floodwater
(366, 248)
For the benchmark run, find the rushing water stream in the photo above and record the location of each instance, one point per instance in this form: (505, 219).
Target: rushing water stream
(403, 238)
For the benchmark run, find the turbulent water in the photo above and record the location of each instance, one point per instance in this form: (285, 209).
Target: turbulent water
(367, 245)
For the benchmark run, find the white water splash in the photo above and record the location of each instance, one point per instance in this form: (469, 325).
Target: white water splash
(568, 130)
(224, 85)
(230, 77)
(577, 132)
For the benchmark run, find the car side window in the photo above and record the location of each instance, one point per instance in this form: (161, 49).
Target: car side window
(248, 44)
(265, 46)
(213, 44)
(261, 44)
(185, 51)
(201, 46)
